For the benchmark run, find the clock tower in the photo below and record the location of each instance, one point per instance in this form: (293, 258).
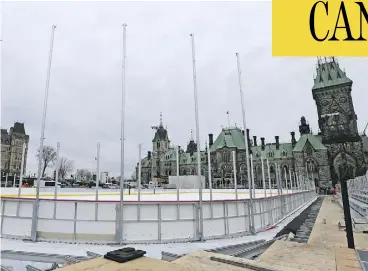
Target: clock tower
(337, 120)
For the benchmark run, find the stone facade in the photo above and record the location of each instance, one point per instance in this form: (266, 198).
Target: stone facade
(314, 156)
(12, 148)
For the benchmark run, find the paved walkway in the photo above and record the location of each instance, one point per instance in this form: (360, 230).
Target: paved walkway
(326, 248)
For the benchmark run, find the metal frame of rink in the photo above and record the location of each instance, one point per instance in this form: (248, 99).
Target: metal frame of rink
(81, 221)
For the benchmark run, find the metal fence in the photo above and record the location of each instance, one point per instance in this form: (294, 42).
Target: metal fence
(142, 222)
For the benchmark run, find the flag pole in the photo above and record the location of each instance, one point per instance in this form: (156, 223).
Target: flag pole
(122, 138)
(251, 210)
(197, 138)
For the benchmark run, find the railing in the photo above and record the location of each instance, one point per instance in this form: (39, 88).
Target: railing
(358, 194)
(142, 222)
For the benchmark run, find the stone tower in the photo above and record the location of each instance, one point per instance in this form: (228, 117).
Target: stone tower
(160, 145)
(336, 116)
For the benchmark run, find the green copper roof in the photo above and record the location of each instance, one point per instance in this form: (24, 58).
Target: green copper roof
(329, 74)
(229, 137)
(285, 151)
(313, 140)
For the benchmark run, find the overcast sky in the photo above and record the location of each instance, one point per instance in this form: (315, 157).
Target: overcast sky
(85, 87)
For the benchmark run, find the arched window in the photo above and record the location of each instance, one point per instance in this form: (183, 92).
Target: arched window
(193, 171)
(284, 153)
(158, 144)
(226, 157)
(272, 169)
(270, 154)
(184, 171)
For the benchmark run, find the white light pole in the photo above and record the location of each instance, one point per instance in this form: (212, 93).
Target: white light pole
(6, 179)
(21, 170)
(57, 169)
(235, 180)
(263, 178)
(251, 210)
(269, 176)
(209, 172)
(122, 138)
(177, 174)
(139, 170)
(197, 138)
(40, 156)
(97, 170)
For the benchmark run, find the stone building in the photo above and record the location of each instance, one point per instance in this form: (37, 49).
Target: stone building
(314, 155)
(12, 148)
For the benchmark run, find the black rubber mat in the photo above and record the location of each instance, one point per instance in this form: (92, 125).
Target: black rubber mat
(124, 255)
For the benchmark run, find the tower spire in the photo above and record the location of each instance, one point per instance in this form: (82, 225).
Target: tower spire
(191, 135)
(161, 124)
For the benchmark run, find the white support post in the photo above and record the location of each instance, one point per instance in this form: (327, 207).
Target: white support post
(253, 187)
(97, 170)
(209, 173)
(120, 229)
(139, 171)
(21, 170)
(291, 181)
(177, 174)
(40, 154)
(235, 180)
(14, 179)
(197, 138)
(286, 181)
(251, 208)
(269, 176)
(57, 168)
(6, 179)
(263, 178)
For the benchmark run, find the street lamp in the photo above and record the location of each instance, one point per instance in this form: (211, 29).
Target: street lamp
(345, 173)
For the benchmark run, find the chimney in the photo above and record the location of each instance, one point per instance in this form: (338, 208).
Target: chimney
(293, 141)
(255, 140)
(179, 149)
(149, 155)
(210, 140)
(243, 132)
(277, 142)
(263, 143)
(248, 138)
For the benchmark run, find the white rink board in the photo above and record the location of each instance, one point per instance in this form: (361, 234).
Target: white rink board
(146, 194)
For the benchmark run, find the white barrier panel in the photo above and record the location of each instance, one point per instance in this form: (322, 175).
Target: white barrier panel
(165, 221)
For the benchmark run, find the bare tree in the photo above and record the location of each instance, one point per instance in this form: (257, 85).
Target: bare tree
(48, 159)
(65, 167)
(83, 174)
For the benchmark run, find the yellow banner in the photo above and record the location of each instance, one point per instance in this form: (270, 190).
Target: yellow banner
(319, 28)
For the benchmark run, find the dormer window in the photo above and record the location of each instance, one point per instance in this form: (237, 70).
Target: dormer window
(284, 153)
(257, 154)
(270, 154)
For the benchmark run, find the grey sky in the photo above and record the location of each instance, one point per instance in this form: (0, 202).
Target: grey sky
(85, 89)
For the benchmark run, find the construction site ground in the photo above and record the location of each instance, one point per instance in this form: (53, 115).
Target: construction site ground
(326, 250)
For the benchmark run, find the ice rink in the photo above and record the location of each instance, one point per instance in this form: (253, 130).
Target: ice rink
(146, 194)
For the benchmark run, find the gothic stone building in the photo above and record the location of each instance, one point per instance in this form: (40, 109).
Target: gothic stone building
(12, 149)
(316, 156)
